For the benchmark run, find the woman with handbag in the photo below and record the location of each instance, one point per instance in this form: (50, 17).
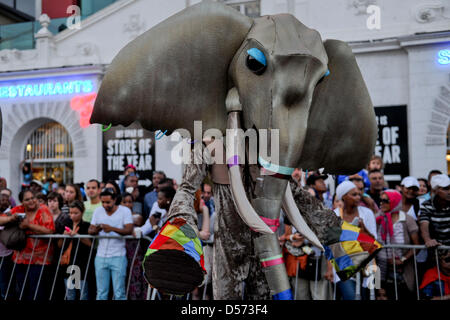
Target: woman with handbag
(76, 254)
(396, 227)
(37, 253)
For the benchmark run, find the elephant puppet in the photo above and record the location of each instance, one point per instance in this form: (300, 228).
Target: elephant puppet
(212, 64)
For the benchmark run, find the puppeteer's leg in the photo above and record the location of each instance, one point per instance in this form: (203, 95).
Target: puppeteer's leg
(231, 243)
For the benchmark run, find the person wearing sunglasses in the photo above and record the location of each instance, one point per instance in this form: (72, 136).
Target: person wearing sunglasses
(31, 260)
(436, 282)
(396, 227)
(435, 213)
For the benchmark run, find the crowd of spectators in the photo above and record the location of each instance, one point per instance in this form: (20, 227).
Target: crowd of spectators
(416, 212)
(97, 208)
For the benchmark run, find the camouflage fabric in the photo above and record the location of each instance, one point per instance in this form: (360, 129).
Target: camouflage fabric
(319, 218)
(234, 258)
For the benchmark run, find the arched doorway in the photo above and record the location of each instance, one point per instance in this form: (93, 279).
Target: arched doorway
(50, 149)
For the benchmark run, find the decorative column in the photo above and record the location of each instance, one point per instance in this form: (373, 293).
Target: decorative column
(44, 41)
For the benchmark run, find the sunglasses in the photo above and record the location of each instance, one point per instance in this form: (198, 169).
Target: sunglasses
(356, 179)
(385, 201)
(446, 259)
(110, 191)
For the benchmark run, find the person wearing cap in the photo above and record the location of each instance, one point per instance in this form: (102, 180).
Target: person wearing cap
(359, 216)
(409, 190)
(36, 186)
(435, 213)
(317, 182)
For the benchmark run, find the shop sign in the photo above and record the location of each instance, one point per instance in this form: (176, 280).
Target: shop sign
(46, 87)
(128, 145)
(392, 141)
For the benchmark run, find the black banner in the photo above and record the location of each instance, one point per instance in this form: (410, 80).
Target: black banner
(392, 142)
(128, 145)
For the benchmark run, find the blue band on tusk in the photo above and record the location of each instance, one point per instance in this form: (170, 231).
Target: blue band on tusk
(275, 168)
(283, 295)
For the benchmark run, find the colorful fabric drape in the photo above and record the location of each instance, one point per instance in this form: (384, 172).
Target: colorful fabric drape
(349, 249)
(178, 235)
(174, 261)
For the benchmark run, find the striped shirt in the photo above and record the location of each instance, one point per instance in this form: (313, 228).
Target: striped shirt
(439, 220)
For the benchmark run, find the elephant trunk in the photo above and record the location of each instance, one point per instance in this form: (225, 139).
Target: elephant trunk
(270, 192)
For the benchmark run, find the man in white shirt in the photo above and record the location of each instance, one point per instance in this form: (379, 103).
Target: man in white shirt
(111, 219)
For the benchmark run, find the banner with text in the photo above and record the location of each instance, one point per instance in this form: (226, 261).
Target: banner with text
(128, 145)
(392, 142)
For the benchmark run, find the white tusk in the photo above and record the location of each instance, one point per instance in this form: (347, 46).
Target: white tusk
(243, 206)
(294, 215)
(234, 147)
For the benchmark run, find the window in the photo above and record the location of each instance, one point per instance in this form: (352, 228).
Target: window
(25, 6)
(9, 3)
(250, 8)
(51, 149)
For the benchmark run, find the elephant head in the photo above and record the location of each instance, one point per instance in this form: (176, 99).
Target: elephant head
(213, 64)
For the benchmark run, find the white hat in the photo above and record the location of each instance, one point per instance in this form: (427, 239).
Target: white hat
(409, 182)
(440, 180)
(344, 188)
(37, 182)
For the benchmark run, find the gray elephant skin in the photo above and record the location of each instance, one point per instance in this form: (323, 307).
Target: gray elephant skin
(212, 64)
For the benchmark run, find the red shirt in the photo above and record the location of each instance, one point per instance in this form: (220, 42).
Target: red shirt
(42, 218)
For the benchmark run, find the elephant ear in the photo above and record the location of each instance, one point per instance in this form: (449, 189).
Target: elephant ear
(174, 73)
(342, 128)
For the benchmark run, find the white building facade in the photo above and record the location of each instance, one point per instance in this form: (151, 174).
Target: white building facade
(400, 47)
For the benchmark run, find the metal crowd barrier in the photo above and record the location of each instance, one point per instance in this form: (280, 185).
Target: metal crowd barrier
(58, 265)
(153, 294)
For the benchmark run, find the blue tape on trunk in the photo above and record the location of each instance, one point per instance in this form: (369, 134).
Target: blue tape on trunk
(283, 295)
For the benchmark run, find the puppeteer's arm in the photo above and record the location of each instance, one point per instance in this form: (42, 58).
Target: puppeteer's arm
(193, 175)
(316, 215)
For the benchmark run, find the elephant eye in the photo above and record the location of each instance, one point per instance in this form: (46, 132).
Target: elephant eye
(323, 77)
(256, 61)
